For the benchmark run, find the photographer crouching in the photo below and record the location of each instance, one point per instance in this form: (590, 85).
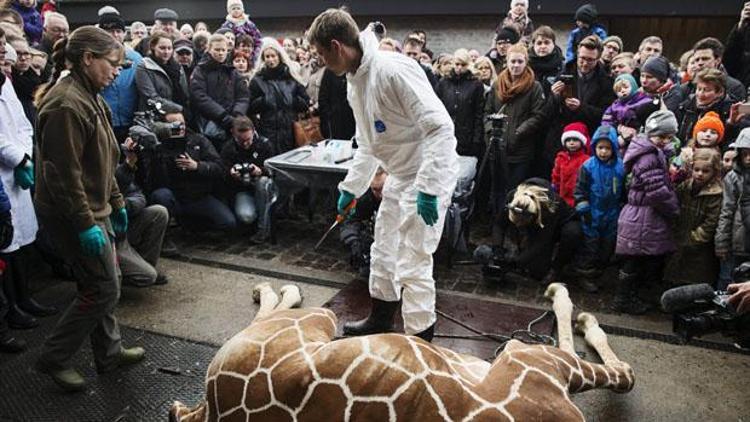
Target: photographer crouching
(138, 250)
(251, 187)
(181, 174)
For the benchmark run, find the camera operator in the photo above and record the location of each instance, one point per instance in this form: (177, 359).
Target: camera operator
(740, 297)
(138, 251)
(250, 184)
(181, 176)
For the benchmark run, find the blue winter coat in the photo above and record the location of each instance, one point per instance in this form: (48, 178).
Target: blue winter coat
(577, 35)
(122, 94)
(600, 189)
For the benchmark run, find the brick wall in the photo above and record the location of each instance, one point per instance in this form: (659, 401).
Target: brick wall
(446, 34)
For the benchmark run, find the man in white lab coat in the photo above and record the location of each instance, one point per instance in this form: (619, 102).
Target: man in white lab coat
(404, 128)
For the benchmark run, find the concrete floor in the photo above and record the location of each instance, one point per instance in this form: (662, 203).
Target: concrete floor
(674, 383)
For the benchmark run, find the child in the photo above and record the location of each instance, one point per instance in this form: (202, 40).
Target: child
(643, 228)
(575, 142)
(628, 105)
(240, 23)
(734, 220)
(586, 25)
(707, 133)
(518, 16)
(700, 199)
(727, 161)
(599, 195)
(32, 20)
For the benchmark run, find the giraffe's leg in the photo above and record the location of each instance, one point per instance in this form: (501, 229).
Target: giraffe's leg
(291, 297)
(563, 308)
(588, 326)
(264, 294)
(181, 413)
(619, 375)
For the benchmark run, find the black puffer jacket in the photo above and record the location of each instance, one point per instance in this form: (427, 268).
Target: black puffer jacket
(153, 82)
(277, 98)
(218, 93)
(160, 170)
(524, 121)
(463, 96)
(232, 153)
(737, 53)
(336, 116)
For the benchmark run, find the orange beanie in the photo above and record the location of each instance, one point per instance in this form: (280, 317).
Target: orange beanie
(710, 121)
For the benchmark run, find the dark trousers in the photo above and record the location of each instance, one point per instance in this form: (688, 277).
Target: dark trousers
(91, 314)
(595, 252)
(644, 269)
(203, 213)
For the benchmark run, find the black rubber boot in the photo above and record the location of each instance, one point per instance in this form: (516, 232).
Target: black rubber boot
(428, 334)
(20, 320)
(626, 299)
(19, 277)
(380, 320)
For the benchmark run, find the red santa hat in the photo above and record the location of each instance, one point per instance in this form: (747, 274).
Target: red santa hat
(576, 130)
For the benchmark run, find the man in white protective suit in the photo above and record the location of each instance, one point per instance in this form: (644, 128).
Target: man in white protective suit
(404, 128)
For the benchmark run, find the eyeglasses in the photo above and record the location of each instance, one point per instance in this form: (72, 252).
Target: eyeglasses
(587, 59)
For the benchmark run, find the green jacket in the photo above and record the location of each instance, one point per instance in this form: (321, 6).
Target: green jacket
(77, 154)
(695, 260)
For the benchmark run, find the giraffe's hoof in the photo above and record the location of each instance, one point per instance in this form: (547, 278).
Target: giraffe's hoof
(585, 321)
(258, 290)
(553, 288)
(292, 291)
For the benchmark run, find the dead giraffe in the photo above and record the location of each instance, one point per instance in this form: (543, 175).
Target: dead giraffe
(284, 367)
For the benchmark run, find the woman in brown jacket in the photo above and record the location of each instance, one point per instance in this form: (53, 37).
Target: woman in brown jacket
(519, 98)
(78, 202)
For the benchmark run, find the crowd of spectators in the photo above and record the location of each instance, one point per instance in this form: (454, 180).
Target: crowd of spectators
(652, 156)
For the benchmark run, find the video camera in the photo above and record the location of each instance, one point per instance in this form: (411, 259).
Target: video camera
(148, 128)
(699, 310)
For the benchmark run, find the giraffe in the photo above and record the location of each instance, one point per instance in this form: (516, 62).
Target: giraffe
(284, 367)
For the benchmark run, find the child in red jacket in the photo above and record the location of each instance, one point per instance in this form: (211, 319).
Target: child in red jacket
(575, 142)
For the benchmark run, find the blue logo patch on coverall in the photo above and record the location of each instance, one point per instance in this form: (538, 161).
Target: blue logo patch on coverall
(379, 126)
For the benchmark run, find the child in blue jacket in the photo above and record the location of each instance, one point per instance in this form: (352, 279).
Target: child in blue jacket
(599, 195)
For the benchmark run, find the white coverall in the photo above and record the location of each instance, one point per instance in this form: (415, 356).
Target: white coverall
(403, 127)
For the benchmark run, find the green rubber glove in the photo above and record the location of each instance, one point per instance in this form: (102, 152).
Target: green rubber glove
(92, 241)
(427, 208)
(345, 198)
(24, 175)
(119, 221)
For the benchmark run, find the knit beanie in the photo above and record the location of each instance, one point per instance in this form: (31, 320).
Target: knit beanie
(109, 21)
(576, 130)
(515, 2)
(743, 140)
(658, 67)
(631, 80)
(587, 14)
(710, 120)
(508, 34)
(10, 54)
(615, 39)
(661, 122)
(232, 3)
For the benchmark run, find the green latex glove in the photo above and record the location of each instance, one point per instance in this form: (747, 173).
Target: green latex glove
(24, 175)
(119, 221)
(427, 208)
(92, 241)
(345, 198)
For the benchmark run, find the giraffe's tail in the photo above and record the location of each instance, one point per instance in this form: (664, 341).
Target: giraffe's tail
(181, 413)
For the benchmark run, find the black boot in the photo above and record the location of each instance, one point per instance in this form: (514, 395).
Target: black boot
(9, 344)
(20, 280)
(20, 320)
(428, 334)
(626, 299)
(379, 321)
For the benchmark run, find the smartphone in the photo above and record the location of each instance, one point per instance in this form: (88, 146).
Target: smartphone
(569, 81)
(744, 108)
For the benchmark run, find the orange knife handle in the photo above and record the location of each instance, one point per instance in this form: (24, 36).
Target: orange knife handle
(347, 210)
